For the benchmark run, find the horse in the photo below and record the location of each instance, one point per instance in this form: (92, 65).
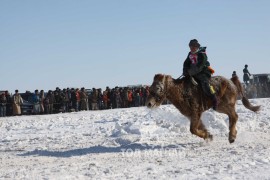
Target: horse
(190, 100)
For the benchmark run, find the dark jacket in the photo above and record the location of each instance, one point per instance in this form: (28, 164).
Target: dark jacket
(246, 74)
(3, 101)
(197, 63)
(50, 98)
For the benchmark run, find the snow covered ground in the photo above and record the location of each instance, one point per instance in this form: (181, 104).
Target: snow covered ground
(135, 143)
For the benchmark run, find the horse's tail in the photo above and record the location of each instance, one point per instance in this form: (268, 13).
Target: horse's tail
(240, 90)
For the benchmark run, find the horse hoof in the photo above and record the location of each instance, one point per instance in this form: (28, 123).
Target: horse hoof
(209, 138)
(231, 140)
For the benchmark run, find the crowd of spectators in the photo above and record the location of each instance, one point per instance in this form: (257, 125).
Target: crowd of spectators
(72, 100)
(75, 99)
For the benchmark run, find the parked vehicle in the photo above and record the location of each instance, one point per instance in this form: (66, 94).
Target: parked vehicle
(27, 106)
(260, 78)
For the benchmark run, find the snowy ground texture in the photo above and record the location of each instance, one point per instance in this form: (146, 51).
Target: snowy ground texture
(135, 143)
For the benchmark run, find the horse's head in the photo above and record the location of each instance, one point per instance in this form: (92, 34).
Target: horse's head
(157, 91)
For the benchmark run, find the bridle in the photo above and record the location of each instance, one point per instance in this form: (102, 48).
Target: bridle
(156, 97)
(163, 90)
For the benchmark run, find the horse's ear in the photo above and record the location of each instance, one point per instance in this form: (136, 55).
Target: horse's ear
(158, 77)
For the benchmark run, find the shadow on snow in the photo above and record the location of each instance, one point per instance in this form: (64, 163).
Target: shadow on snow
(102, 149)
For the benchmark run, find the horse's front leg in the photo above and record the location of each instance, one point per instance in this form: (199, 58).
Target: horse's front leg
(197, 128)
(233, 117)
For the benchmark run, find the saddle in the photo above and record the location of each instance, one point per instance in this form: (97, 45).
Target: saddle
(215, 82)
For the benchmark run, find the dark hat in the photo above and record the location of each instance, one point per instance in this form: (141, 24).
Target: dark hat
(16, 91)
(246, 65)
(194, 43)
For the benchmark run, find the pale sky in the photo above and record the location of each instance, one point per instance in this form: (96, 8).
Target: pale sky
(87, 43)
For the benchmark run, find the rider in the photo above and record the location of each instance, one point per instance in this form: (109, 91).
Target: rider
(246, 75)
(197, 66)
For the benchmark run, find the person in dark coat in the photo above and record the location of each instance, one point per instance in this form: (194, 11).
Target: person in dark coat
(73, 99)
(246, 75)
(9, 110)
(3, 103)
(196, 65)
(94, 99)
(49, 102)
(234, 74)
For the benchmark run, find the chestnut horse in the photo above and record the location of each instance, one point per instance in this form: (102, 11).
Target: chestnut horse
(190, 100)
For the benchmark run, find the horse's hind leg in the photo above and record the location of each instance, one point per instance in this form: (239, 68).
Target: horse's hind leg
(197, 128)
(233, 117)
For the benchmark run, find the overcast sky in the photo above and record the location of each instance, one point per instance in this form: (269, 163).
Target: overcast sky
(85, 43)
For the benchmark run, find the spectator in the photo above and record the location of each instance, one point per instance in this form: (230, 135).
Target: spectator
(68, 100)
(141, 96)
(133, 97)
(41, 98)
(118, 99)
(73, 99)
(234, 74)
(94, 99)
(84, 100)
(130, 98)
(146, 94)
(17, 102)
(105, 99)
(49, 101)
(125, 98)
(9, 104)
(78, 100)
(246, 75)
(57, 101)
(65, 98)
(137, 99)
(108, 90)
(122, 94)
(100, 99)
(36, 102)
(112, 98)
(3, 103)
